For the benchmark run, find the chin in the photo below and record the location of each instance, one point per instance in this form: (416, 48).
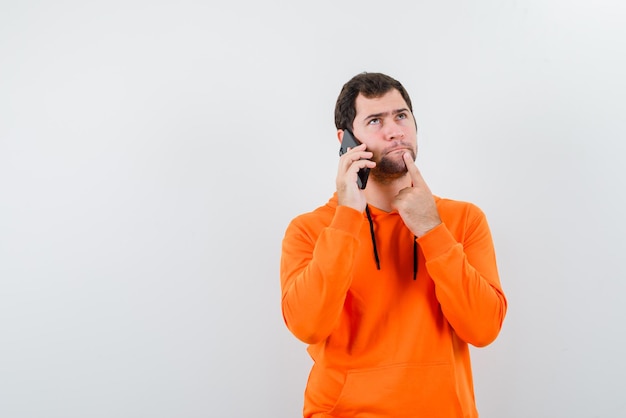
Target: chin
(385, 177)
(388, 170)
(392, 164)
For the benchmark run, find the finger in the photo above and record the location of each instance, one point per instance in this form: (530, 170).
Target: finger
(353, 162)
(359, 147)
(356, 154)
(359, 164)
(416, 176)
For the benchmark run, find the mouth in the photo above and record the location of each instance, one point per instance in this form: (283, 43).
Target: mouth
(395, 150)
(399, 146)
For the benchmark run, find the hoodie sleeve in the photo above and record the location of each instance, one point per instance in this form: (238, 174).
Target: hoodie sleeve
(466, 279)
(316, 272)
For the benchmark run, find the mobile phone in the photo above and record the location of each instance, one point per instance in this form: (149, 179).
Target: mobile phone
(349, 141)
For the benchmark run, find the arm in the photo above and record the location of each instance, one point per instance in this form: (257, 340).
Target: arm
(466, 279)
(459, 257)
(316, 272)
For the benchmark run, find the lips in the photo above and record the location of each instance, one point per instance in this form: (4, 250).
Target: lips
(397, 149)
(398, 146)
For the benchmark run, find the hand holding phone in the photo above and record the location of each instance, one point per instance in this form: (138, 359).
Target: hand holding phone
(349, 141)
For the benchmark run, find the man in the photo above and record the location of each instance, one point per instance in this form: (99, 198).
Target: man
(389, 284)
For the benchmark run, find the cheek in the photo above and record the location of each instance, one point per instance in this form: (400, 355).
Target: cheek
(376, 157)
(409, 129)
(373, 147)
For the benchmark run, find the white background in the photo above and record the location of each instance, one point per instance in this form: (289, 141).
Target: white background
(153, 152)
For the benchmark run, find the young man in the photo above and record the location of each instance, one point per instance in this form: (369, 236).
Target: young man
(389, 284)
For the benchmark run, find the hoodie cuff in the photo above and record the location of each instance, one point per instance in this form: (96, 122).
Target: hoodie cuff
(436, 242)
(348, 220)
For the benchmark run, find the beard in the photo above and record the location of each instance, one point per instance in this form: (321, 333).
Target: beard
(390, 166)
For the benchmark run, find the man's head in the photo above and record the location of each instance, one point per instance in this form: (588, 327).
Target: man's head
(369, 85)
(377, 109)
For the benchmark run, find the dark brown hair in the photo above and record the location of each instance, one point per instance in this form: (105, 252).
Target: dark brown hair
(370, 85)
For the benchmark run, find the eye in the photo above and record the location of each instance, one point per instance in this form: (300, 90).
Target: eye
(402, 116)
(374, 121)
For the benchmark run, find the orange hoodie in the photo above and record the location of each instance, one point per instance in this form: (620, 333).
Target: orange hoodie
(383, 343)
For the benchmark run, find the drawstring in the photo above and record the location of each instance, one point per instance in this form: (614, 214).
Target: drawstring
(369, 218)
(415, 250)
(414, 257)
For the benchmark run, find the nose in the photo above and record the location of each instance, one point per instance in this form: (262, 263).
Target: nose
(393, 131)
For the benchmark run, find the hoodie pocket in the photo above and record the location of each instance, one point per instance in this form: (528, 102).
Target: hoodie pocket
(409, 390)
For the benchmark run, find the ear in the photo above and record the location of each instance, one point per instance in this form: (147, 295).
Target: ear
(340, 135)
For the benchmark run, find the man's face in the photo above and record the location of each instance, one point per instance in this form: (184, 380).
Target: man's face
(387, 127)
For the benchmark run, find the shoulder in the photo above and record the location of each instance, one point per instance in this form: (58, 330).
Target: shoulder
(458, 207)
(461, 216)
(314, 220)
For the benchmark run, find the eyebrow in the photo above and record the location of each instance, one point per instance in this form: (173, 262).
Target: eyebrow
(378, 115)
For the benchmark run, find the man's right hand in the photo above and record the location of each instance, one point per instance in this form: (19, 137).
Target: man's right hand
(348, 192)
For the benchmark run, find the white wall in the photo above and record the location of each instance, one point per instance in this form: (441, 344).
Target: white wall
(152, 153)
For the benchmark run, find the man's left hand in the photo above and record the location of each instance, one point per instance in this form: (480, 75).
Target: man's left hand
(416, 204)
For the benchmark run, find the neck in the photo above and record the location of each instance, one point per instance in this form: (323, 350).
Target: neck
(381, 195)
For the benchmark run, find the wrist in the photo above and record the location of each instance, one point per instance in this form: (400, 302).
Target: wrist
(429, 228)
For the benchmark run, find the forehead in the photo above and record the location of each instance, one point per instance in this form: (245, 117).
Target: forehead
(388, 102)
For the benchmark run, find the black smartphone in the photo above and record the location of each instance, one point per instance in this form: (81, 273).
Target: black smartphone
(349, 141)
